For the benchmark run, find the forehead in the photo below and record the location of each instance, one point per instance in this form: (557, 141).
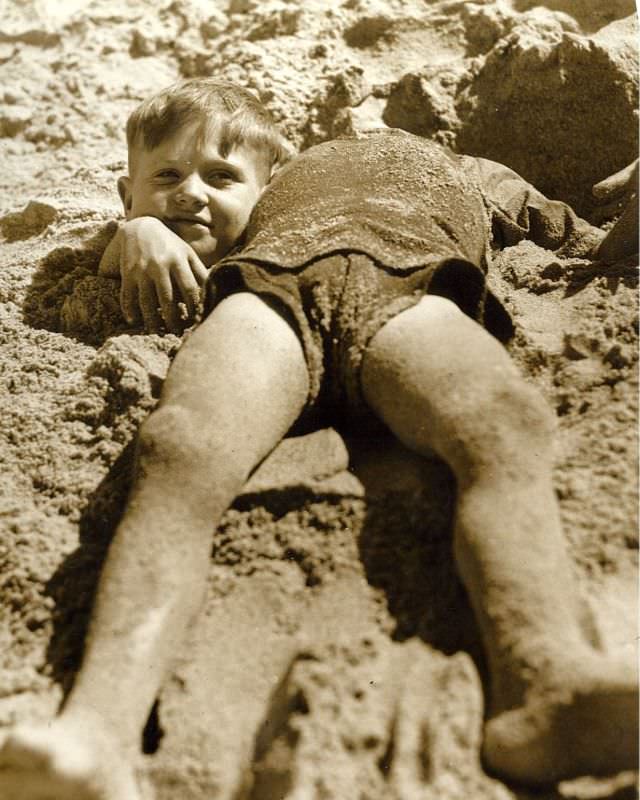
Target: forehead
(201, 139)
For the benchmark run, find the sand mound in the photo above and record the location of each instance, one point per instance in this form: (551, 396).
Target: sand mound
(365, 679)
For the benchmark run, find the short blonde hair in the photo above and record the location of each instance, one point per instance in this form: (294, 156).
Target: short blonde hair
(234, 113)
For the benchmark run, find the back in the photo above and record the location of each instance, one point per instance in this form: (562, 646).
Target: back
(403, 200)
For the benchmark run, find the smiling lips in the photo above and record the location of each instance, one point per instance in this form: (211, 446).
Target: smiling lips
(189, 221)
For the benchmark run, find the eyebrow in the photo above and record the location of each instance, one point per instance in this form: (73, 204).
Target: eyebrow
(208, 162)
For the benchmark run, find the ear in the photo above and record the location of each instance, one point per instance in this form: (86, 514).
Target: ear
(270, 176)
(124, 190)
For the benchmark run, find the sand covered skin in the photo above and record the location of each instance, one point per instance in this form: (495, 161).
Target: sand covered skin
(350, 665)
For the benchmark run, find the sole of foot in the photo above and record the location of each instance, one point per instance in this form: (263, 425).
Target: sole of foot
(52, 763)
(592, 730)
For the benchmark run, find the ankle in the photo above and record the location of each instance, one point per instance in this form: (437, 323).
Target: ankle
(98, 730)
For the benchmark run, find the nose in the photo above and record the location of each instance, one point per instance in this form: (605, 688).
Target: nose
(191, 193)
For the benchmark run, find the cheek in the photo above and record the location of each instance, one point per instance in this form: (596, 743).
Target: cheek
(149, 200)
(239, 215)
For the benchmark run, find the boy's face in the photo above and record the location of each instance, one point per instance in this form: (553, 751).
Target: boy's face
(202, 197)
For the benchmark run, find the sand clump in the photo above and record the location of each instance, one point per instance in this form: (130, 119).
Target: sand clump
(349, 664)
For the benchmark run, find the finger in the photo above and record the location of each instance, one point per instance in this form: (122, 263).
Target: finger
(168, 300)
(624, 180)
(198, 269)
(129, 300)
(188, 288)
(609, 190)
(149, 305)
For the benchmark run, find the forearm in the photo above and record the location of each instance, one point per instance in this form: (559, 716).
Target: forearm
(110, 261)
(111, 258)
(622, 240)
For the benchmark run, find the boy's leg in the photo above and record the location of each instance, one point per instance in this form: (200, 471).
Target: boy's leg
(558, 707)
(235, 388)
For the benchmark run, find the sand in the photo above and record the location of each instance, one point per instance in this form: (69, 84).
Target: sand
(337, 657)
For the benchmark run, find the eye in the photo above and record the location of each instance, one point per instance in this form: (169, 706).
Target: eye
(221, 177)
(167, 175)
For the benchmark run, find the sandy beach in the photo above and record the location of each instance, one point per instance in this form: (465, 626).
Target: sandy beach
(349, 664)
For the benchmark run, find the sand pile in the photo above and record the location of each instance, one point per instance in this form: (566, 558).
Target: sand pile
(337, 647)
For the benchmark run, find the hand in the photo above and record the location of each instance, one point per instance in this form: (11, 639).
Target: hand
(618, 187)
(158, 271)
(619, 194)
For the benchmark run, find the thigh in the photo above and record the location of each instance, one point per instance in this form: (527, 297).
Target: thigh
(440, 382)
(308, 296)
(370, 297)
(242, 371)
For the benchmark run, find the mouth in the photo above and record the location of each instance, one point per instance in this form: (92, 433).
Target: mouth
(186, 220)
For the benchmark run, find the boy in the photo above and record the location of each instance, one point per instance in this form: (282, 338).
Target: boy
(361, 286)
(227, 147)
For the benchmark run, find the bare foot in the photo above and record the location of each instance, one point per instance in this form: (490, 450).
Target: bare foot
(63, 761)
(589, 726)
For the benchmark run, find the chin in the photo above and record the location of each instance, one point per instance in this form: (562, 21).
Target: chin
(206, 252)
(208, 256)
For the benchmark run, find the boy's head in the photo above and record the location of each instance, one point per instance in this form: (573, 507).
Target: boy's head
(200, 153)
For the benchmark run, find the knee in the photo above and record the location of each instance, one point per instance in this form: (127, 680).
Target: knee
(512, 425)
(167, 435)
(173, 439)
(524, 410)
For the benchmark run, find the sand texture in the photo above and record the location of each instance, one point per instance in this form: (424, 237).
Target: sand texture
(337, 657)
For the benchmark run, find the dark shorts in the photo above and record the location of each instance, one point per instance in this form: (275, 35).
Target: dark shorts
(338, 303)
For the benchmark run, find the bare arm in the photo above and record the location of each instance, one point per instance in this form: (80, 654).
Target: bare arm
(619, 194)
(110, 261)
(161, 275)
